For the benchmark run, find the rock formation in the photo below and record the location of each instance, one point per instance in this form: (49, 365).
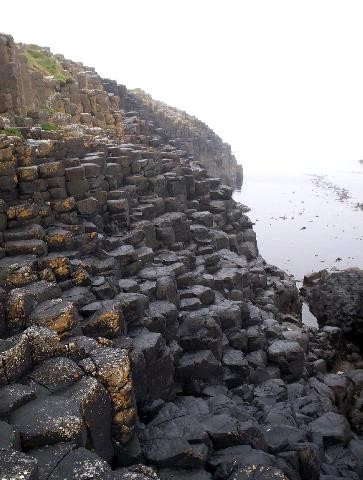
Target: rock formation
(143, 337)
(163, 124)
(37, 87)
(336, 298)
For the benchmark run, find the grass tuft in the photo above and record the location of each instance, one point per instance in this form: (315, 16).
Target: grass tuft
(49, 127)
(44, 63)
(11, 132)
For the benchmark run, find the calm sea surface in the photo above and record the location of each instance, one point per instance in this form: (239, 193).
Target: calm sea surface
(307, 221)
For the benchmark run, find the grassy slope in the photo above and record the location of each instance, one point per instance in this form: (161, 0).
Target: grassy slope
(44, 63)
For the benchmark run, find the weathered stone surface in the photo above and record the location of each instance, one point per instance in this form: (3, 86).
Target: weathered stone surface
(44, 343)
(199, 365)
(9, 437)
(66, 417)
(26, 247)
(17, 271)
(15, 356)
(80, 463)
(133, 306)
(333, 428)
(49, 457)
(56, 314)
(14, 396)
(107, 321)
(56, 374)
(289, 356)
(336, 299)
(163, 318)
(113, 370)
(17, 465)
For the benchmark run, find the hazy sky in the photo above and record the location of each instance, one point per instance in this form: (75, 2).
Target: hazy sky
(280, 80)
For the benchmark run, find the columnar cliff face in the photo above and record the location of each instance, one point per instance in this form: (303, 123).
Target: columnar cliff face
(38, 87)
(142, 336)
(31, 95)
(166, 124)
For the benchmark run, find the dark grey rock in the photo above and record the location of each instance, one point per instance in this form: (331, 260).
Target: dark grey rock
(14, 396)
(336, 299)
(80, 464)
(9, 437)
(332, 428)
(16, 465)
(48, 457)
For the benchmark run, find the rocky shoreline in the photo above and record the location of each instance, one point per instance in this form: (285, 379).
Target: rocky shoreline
(143, 337)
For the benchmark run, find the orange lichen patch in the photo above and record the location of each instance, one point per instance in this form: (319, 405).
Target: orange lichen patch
(60, 240)
(23, 154)
(109, 321)
(122, 398)
(22, 212)
(57, 315)
(18, 307)
(63, 322)
(11, 213)
(59, 265)
(80, 277)
(114, 372)
(123, 424)
(104, 342)
(125, 417)
(15, 357)
(26, 213)
(48, 275)
(20, 277)
(66, 205)
(113, 367)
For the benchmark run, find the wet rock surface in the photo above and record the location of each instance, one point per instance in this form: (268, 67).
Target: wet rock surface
(142, 334)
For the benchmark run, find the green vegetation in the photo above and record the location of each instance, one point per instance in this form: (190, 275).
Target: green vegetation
(49, 127)
(137, 91)
(44, 63)
(11, 132)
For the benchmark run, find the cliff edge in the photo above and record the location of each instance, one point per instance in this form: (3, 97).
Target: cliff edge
(38, 88)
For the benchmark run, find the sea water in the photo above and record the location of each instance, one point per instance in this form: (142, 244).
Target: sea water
(307, 220)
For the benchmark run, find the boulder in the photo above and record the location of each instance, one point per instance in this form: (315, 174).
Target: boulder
(58, 315)
(331, 428)
(289, 356)
(49, 457)
(67, 416)
(15, 358)
(107, 321)
(80, 463)
(336, 299)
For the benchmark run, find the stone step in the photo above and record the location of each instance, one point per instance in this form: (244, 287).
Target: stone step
(26, 247)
